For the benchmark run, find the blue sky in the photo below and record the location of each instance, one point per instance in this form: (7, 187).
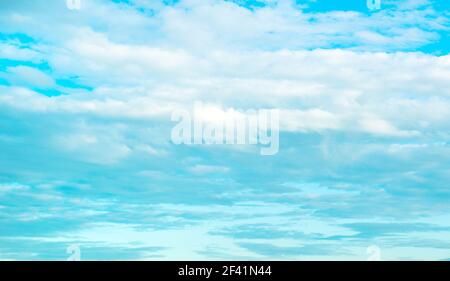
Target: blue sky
(86, 158)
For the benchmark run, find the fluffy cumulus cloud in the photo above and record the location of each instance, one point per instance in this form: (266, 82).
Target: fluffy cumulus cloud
(86, 98)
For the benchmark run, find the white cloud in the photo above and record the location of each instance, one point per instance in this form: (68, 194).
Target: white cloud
(315, 90)
(13, 52)
(29, 77)
(313, 119)
(94, 145)
(208, 169)
(7, 187)
(379, 126)
(140, 68)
